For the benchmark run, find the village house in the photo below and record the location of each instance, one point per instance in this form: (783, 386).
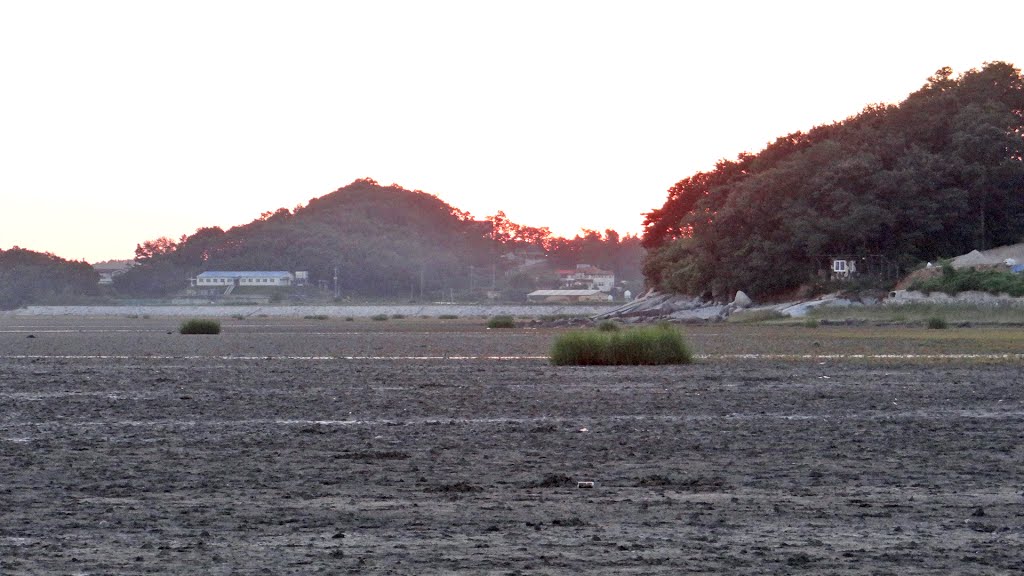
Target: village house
(587, 277)
(111, 269)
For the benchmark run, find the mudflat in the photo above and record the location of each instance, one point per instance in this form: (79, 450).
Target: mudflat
(426, 446)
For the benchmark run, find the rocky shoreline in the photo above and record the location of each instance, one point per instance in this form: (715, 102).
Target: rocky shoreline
(655, 306)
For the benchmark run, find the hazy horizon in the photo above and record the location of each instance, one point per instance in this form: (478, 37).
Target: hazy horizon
(125, 121)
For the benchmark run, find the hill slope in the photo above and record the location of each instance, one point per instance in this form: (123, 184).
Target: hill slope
(30, 277)
(938, 175)
(381, 239)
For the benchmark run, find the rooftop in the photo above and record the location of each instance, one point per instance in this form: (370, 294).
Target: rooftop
(244, 274)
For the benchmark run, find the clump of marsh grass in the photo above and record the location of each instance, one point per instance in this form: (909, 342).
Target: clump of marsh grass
(379, 317)
(501, 321)
(316, 317)
(199, 326)
(936, 323)
(448, 317)
(637, 346)
(754, 316)
(608, 326)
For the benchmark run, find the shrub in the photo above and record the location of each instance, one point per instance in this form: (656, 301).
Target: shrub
(448, 317)
(648, 345)
(200, 326)
(608, 326)
(379, 317)
(398, 316)
(501, 322)
(811, 323)
(953, 281)
(936, 323)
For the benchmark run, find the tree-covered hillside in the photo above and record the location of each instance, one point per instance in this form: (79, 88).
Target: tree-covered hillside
(938, 175)
(384, 241)
(28, 277)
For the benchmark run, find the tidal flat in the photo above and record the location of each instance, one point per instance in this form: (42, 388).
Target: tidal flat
(430, 446)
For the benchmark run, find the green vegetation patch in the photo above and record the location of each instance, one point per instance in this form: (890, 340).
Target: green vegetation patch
(759, 315)
(917, 313)
(501, 321)
(953, 281)
(200, 326)
(936, 323)
(636, 346)
(608, 326)
(379, 317)
(448, 317)
(316, 317)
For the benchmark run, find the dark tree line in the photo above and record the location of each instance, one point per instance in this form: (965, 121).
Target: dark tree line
(28, 277)
(384, 241)
(938, 175)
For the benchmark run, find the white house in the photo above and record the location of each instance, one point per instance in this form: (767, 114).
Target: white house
(219, 279)
(110, 269)
(585, 276)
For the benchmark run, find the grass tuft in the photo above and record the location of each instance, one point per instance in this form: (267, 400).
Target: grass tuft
(637, 346)
(316, 317)
(754, 316)
(379, 317)
(448, 317)
(936, 323)
(501, 321)
(608, 326)
(199, 326)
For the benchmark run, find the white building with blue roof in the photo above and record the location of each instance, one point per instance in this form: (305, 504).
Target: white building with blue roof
(222, 279)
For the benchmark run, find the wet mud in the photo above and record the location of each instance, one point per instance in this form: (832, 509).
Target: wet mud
(268, 451)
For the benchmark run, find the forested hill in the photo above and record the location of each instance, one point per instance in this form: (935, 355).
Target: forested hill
(384, 241)
(938, 175)
(32, 277)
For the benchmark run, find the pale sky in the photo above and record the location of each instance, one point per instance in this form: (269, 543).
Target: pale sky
(123, 121)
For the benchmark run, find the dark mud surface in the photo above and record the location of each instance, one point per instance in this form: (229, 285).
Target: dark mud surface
(267, 450)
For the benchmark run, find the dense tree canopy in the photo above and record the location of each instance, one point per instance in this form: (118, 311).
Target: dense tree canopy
(938, 175)
(385, 241)
(28, 277)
